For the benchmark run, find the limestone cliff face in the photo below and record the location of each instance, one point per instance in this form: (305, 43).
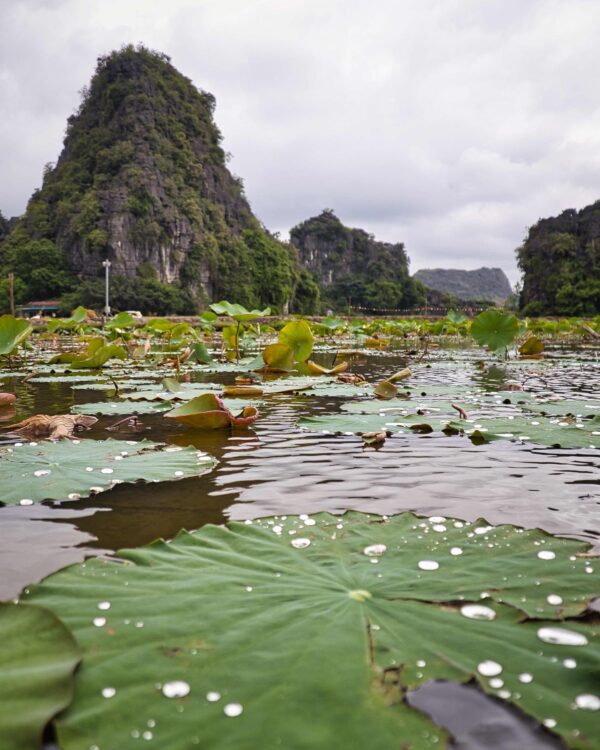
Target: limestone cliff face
(352, 267)
(142, 180)
(489, 284)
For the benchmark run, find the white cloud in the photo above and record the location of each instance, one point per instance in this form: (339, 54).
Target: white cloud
(451, 125)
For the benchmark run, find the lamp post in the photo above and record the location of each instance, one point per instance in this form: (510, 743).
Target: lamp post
(106, 264)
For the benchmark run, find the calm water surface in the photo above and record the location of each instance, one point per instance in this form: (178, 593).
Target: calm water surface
(277, 468)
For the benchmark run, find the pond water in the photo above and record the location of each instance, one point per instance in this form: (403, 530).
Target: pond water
(277, 468)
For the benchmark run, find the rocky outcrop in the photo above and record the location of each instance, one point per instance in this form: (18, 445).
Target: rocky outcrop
(489, 284)
(352, 268)
(142, 180)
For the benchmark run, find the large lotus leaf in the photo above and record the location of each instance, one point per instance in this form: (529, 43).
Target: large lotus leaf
(68, 470)
(494, 329)
(238, 312)
(298, 336)
(38, 656)
(284, 633)
(577, 408)
(186, 392)
(122, 320)
(13, 331)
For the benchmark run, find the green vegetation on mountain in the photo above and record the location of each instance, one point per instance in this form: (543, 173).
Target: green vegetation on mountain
(142, 180)
(352, 268)
(560, 260)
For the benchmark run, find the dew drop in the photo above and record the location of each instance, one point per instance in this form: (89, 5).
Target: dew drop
(456, 551)
(437, 519)
(25, 501)
(525, 677)
(477, 612)
(106, 471)
(569, 663)
(554, 599)
(546, 554)
(175, 689)
(300, 543)
(489, 668)
(213, 696)
(483, 529)
(375, 550)
(103, 605)
(562, 637)
(428, 564)
(588, 702)
(108, 692)
(310, 522)
(496, 682)
(233, 709)
(99, 622)
(439, 527)
(550, 723)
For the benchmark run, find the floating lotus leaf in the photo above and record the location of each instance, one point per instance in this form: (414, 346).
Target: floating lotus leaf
(68, 470)
(283, 633)
(494, 329)
(124, 406)
(298, 336)
(208, 412)
(13, 332)
(38, 656)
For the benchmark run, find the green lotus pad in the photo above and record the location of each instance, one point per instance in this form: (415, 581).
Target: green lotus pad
(302, 632)
(38, 656)
(71, 469)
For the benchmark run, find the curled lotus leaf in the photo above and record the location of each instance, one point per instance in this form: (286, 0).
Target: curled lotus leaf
(208, 412)
(238, 312)
(385, 390)
(13, 332)
(298, 336)
(532, 346)
(278, 358)
(316, 369)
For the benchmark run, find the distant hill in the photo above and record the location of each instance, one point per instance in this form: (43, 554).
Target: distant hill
(352, 268)
(560, 260)
(480, 284)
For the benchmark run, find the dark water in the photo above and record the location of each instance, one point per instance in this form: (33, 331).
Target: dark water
(276, 468)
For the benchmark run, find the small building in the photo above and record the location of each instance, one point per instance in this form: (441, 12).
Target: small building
(37, 308)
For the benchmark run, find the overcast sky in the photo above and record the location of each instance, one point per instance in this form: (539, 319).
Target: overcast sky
(450, 125)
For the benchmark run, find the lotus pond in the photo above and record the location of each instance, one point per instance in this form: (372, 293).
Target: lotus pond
(271, 537)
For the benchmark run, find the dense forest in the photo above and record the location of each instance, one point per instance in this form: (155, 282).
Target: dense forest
(142, 180)
(352, 268)
(560, 261)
